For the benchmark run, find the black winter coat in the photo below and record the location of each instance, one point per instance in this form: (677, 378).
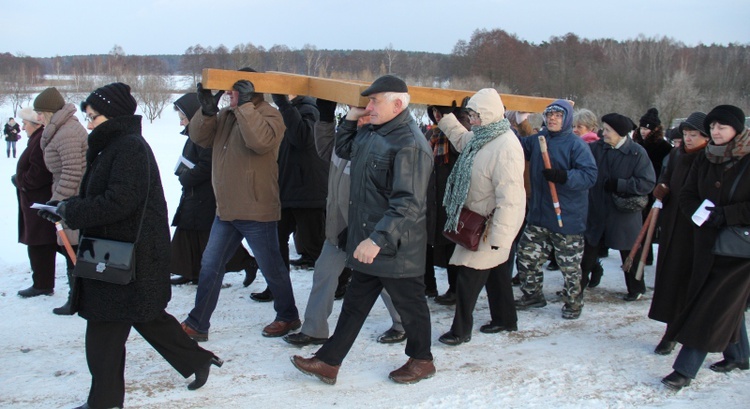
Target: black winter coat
(390, 170)
(121, 172)
(674, 265)
(12, 133)
(719, 286)
(436, 216)
(34, 185)
(197, 208)
(303, 175)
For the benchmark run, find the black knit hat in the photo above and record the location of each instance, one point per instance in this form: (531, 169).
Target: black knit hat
(49, 100)
(386, 83)
(694, 122)
(725, 115)
(620, 123)
(111, 100)
(651, 119)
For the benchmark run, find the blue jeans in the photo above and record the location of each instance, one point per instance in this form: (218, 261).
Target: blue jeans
(225, 238)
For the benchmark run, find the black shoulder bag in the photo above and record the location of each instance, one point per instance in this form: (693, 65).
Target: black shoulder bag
(734, 241)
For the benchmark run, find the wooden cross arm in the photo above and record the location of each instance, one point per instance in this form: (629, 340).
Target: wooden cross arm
(348, 91)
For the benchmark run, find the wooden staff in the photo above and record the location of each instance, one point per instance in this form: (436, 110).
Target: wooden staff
(654, 215)
(637, 245)
(66, 242)
(552, 188)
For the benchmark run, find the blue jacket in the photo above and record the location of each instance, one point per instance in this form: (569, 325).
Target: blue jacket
(566, 151)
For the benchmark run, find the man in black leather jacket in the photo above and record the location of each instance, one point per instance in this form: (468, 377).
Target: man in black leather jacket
(391, 163)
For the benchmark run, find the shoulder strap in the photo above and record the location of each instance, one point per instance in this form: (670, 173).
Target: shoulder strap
(737, 178)
(148, 190)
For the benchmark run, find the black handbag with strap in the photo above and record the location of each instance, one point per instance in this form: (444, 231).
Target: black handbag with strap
(733, 241)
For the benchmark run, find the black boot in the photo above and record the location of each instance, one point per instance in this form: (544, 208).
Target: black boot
(596, 274)
(67, 308)
(251, 271)
(201, 375)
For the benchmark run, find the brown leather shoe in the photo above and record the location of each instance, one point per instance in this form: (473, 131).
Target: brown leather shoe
(197, 336)
(317, 368)
(413, 371)
(281, 328)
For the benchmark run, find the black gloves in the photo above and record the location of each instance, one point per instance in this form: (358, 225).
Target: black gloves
(660, 191)
(281, 101)
(558, 176)
(610, 185)
(54, 218)
(327, 109)
(245, 90)
(717, 218)
(209, 102)
(13, 180)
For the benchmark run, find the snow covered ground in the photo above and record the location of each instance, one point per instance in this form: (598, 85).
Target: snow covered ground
(604, 359)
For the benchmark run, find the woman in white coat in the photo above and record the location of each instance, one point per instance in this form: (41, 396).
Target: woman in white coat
(487, 178)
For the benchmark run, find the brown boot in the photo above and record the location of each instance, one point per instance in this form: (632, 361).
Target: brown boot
(413, 371)
(317, 368)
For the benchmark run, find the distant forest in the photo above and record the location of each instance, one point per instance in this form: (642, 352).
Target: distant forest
(601, 75)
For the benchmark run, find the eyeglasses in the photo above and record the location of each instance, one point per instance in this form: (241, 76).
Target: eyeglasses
(555, 115)
(90, 118)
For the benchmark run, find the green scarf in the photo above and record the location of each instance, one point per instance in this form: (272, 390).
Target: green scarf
(458, 182)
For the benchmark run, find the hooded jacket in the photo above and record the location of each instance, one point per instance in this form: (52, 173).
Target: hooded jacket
(567, 152)
(496, 183)
(390, 170)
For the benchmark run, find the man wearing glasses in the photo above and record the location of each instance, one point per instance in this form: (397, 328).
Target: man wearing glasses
(573, 172)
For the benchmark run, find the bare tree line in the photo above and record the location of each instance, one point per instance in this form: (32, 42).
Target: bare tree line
(603, 75)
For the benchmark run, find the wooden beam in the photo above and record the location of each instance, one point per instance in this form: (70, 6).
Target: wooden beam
(348, 91)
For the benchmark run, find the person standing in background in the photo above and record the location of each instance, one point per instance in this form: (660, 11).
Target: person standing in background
(12, 134)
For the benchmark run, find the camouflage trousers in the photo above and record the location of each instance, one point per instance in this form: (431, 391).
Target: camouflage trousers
(534, 248)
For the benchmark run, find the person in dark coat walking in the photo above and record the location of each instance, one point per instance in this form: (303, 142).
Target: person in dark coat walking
(197, 209)
(391, 163)
(624, 169)
(33, 184)
(12, 134)
(673, 266)
(121, 186)
(439, 248)
(713, 319)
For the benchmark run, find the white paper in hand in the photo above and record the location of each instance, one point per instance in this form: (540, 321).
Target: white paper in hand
(701, 215)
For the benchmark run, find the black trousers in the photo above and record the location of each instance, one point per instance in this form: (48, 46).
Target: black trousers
(499, 295)
(408, 297)
(308, 226)
(42, 260)
(105, 354)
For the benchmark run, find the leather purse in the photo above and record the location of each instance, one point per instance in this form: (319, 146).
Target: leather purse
(105, 260)
(733, 241)
(469, 230)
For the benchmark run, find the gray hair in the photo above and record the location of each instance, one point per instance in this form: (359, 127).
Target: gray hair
(586, 118)
(403, 96)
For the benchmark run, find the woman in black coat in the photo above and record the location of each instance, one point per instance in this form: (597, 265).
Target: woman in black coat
(34, 185)
(674, 266)
(713, 319)
(121, 185)
(197, 209)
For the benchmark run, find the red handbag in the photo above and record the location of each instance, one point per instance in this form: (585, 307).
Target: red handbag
(470, 229)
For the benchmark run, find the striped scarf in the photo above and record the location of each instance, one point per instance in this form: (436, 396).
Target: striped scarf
(460, 178)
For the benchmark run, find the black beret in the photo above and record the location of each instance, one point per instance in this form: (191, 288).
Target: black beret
(620, 123)
(386, 83)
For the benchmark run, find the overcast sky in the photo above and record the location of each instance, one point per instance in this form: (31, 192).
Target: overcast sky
(54, 27)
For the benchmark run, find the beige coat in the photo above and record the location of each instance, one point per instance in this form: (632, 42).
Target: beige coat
(65, 142)
(496, 183)
(245, 175)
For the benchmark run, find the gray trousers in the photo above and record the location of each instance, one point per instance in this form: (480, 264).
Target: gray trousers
(328, 267)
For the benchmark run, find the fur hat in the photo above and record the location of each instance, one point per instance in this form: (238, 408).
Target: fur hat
(620, 123)
(386, 83)
(725, 115)
(29, 115)
(49, 100)
(694, 123)
(651, 119)
(111, 100)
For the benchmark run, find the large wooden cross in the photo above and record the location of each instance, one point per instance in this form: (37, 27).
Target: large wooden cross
(348, 91)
